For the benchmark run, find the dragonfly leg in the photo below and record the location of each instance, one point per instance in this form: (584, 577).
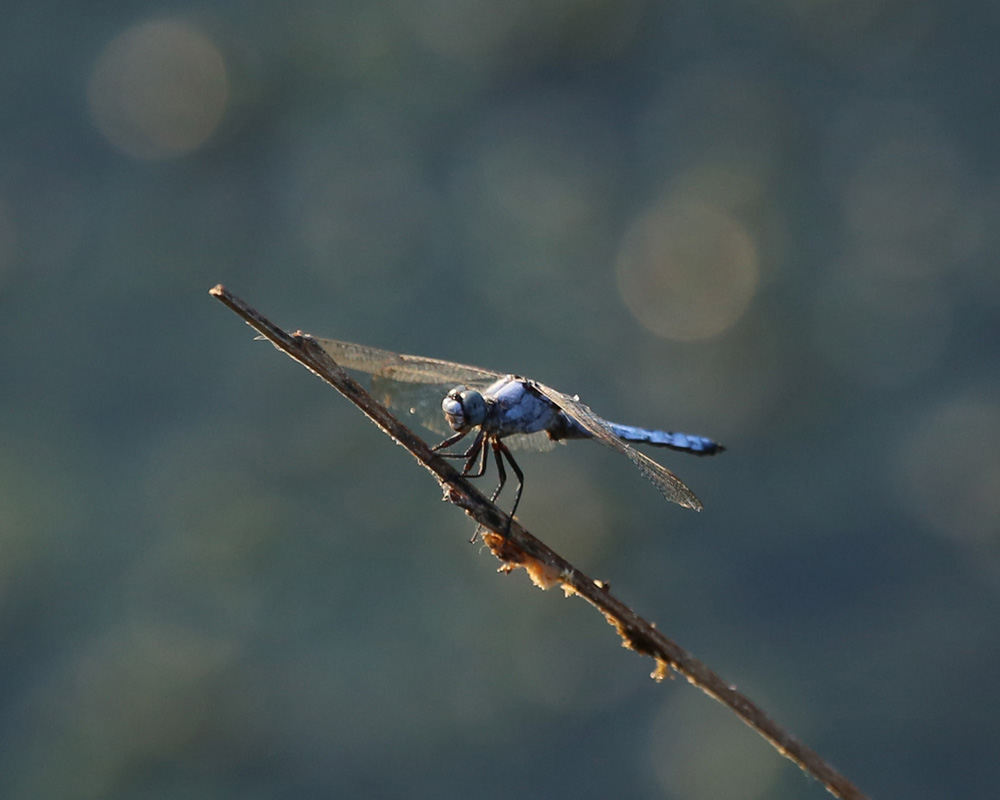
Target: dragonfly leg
(469, 456)
(500, 449)
(449, 442)
(501, 472)
(477, 451)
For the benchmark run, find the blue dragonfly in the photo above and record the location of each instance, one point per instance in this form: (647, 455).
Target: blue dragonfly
(457, 400)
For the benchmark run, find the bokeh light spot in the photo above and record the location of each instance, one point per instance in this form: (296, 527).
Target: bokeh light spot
(906, 190)
(878, 318)
(951, 471)
(688, 271)
(158, 90)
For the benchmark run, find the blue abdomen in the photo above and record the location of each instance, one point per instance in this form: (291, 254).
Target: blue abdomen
(699, 445)
(569, 428)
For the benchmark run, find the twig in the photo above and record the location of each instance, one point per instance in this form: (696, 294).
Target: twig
(516, 547)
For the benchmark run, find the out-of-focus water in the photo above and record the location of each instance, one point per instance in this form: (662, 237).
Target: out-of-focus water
(773, 224)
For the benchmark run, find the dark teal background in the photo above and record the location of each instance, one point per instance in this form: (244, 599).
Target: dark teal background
(218, 580)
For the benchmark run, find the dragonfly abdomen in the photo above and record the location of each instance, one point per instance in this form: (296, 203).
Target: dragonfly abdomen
(568, 428)
(699, 445)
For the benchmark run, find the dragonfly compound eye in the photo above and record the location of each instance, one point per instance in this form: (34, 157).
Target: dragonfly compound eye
(454, 409)
(463, 408)
(474, 406)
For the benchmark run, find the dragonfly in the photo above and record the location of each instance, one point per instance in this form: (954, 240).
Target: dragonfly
(457, 400)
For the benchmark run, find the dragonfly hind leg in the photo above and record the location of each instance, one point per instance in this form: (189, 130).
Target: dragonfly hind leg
(500, 452)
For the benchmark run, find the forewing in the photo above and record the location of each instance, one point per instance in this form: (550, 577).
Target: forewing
(403, 368)
(414, 402)
(413, 385)
(670, 485)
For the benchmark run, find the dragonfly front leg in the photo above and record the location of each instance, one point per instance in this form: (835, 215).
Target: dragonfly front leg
(475, 451)
(449, 442)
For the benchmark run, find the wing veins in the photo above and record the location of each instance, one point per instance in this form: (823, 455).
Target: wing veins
(404, 368)
(670, 486)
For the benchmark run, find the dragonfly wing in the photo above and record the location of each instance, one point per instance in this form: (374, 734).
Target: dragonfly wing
(670, 485)
(403, 368)
(413, 385)
(414, 402)
(539, 440)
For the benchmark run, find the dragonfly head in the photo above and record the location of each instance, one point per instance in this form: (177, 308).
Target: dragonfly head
(464, 408)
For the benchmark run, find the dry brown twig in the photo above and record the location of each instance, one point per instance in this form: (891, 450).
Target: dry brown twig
(516, 547)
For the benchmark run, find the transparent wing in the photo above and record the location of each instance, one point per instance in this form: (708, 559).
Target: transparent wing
(412, 385)
(414, 402)
(670, 485)
(539, 440)
(415, 386)
(403, 368)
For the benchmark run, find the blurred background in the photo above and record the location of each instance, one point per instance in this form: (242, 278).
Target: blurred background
(773, 223)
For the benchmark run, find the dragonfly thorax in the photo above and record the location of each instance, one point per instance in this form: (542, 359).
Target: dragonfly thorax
(464, 408)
